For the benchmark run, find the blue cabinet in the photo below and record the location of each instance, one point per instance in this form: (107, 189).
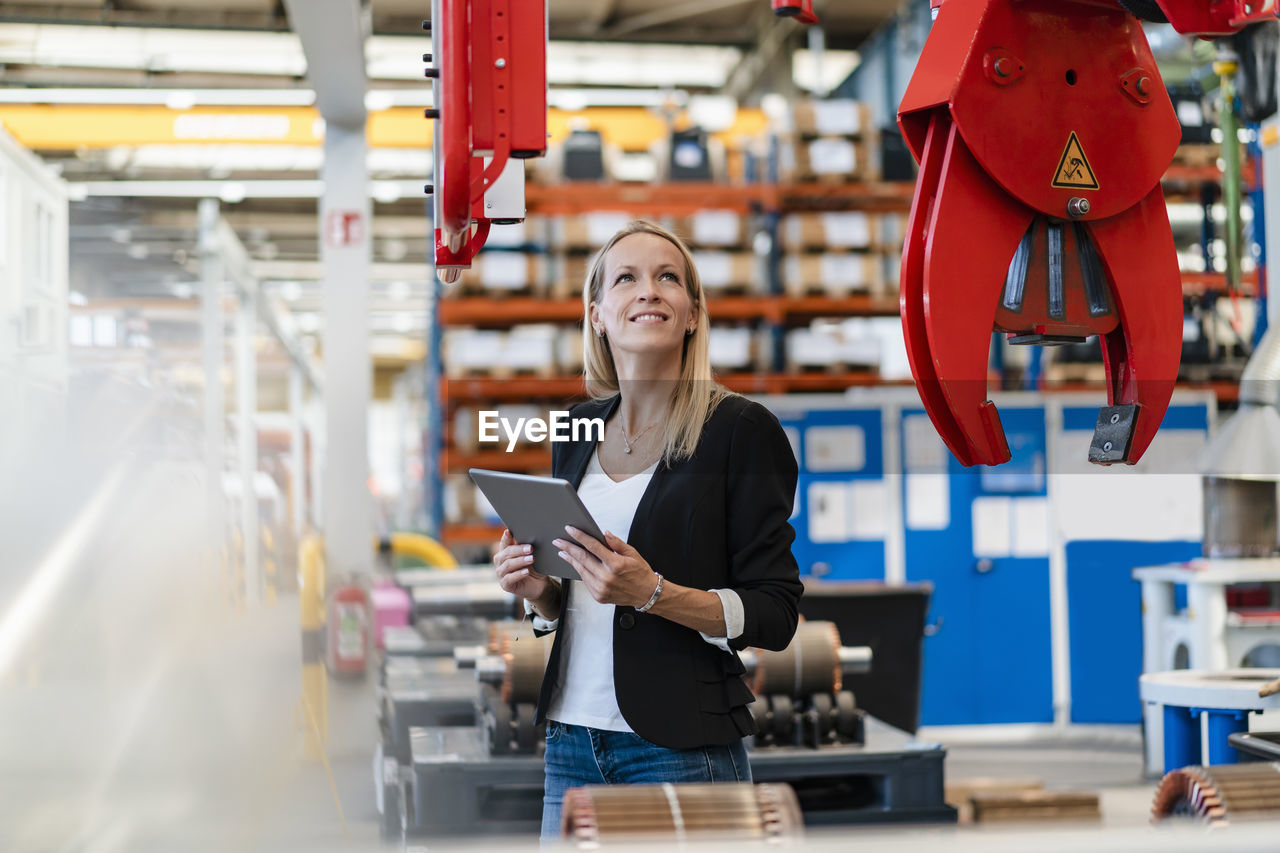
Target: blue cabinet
(841, 514)
(981, 537)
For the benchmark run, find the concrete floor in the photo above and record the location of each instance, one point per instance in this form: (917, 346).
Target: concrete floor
(140, 708)
(144, 711)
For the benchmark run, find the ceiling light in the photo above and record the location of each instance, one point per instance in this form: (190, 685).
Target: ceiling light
(121, 235)
(290, 291)
(232, 192)
(138, 251)
(182, 290)
(399, 290)
(402, 323)
(387, 192)
(394, 250)
(180, 99)
(309, 322)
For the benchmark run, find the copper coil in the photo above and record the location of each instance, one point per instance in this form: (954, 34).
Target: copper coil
(809, 665)
(599, 813)
(1217, 794)
(500, 630)
(526, 659)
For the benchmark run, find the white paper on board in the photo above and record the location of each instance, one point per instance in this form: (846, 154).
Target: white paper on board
(928, 501)
(828, 512)
(868, 509)
(835, 448)
(992, 533)
(1031, 527)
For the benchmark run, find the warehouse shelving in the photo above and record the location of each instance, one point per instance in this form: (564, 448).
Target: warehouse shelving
(477, 389)
(496, 313)
(772, 309)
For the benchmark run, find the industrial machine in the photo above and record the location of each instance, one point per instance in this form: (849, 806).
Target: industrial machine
(600, 814)
(487, 775)
(1042, 129)
(1218, 795)
(489, 81)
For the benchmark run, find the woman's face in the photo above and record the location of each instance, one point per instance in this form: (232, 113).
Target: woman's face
(644, 306)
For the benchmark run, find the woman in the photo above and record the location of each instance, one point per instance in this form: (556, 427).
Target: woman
(693, 486)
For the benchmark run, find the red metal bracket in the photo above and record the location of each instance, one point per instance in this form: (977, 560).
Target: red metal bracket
(800, 11)
(492, 104)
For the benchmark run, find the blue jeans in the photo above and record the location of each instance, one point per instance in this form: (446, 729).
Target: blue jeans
(577, 756)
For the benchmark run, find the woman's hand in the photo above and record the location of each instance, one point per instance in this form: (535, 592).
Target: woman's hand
(515, 569)
(614, 573)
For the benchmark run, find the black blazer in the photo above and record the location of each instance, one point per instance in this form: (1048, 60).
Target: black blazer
(718, 520)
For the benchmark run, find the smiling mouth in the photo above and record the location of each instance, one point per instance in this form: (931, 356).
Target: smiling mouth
(649, 317)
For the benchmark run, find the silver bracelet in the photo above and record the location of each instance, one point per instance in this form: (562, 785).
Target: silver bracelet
(657, 591)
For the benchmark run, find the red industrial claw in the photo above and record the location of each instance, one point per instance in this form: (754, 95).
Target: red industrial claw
(1042, 129)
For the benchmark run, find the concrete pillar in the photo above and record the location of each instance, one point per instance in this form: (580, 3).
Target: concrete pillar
(247, 440)
(348, 367)
(212, 334)
(297, 454)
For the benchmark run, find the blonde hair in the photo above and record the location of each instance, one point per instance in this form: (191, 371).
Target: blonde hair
(696, 394)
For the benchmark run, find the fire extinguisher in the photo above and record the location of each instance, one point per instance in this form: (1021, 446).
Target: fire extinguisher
(348, 629)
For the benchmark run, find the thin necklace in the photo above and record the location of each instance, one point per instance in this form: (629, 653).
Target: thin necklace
(626, 439)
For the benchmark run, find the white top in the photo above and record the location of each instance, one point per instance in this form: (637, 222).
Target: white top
(1213, 571)
(1231, 689)
(586, 694)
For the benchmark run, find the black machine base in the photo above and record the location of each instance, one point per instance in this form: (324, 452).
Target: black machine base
(457, 788)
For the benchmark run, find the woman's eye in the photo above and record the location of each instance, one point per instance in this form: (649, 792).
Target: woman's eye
(672, 276)
(626, 276)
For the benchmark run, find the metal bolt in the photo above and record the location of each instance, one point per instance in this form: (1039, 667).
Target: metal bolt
(1004, 66)
(426, 25)
(1115, 419)
(1144, 86)
(426, 57)
(432, 73)
(428, 189)
(1078, 207)
(431, 112)
(500, 63)
(1106, 446)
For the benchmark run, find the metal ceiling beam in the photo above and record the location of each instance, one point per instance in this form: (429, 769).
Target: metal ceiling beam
(184, 18)
(658, 17)
(771, 58)
(332, 33)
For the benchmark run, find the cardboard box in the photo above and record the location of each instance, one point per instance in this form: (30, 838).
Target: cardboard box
(960, 794)
(715, 229)
(830, 159)
(587, 231)
(569, 350)
(832, 274)
(497, 273)
(530, 349)
(737, 272)
(831, 345)
(732, 348)
(466, 351)
(833, 117)
(854, 229)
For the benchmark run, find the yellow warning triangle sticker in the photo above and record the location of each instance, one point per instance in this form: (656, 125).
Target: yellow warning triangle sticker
(1074, 171)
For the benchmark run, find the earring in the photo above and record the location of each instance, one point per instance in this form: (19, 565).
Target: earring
(599, 333)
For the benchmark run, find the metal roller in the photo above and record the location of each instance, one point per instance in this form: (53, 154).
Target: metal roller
(810, 664)
(604, 813)
(525, 661)
(1220, 794)
(504, 631)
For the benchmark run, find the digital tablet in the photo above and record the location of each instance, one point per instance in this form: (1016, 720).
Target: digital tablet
(535, 510)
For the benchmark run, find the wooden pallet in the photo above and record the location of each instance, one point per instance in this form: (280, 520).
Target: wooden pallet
(1036, 805)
